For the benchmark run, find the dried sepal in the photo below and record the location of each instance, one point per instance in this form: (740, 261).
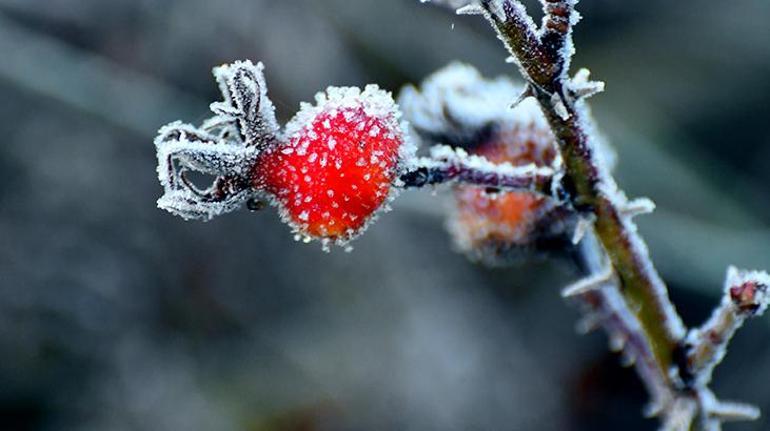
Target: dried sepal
(182, 148)
(244, 91)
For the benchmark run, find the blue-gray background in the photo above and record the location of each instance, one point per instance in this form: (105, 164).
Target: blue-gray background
(117, 316)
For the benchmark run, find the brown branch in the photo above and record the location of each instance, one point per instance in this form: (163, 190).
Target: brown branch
(587, 181)
(628, 298)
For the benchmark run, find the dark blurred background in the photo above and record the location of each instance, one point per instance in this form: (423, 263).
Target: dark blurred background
(117, 316)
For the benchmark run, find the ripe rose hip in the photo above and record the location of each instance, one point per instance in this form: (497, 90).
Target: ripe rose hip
(337, 164)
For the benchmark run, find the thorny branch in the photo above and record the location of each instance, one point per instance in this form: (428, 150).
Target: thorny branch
(622, 291)
(631, 300)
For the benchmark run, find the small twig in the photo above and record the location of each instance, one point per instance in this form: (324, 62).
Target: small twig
(448, 165)
(746, 295)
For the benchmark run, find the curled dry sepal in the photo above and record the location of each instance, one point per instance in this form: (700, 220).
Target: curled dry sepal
(329, 172)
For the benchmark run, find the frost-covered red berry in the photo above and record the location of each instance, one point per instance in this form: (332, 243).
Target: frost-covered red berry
(337, 164)
(329, 171)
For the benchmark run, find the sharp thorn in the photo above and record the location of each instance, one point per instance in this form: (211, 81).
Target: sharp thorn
(638, 207)
(525, 94)
(594, 282)
(727, 411)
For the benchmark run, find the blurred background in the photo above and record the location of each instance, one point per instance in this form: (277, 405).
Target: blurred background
(117, 316)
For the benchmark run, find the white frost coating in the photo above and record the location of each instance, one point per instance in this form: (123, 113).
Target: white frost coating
(637, 207)
(458, 99)
(375, 102)
(442, 154)
(453, 4)
(590, 283)
(581, 85)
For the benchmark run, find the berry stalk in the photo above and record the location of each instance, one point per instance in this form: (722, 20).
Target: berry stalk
(455, 165)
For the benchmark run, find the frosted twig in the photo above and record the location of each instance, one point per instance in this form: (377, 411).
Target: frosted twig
(746, 295)
(455, 165)
(542, 53)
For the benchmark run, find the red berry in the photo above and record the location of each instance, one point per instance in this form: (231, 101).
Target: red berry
(338, 163)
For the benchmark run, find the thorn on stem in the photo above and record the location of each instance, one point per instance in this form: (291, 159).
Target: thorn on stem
(588, 284)
(525, 94)
(638, 207)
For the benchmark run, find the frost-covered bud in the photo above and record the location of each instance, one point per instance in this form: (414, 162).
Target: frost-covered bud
(748, 291)
(458, 107)
(336, 167)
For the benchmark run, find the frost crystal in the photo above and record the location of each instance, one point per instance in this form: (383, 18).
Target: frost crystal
(454, 4)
